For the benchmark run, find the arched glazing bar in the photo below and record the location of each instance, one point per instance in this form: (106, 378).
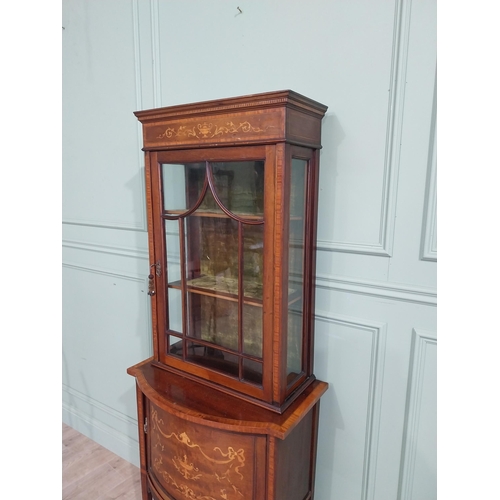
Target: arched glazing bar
(213, 189)
(195, 283)
(195, 207)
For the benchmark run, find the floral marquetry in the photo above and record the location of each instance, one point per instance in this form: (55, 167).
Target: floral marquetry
(209, 130)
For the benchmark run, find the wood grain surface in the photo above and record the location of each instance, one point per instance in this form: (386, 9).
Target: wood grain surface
(91, 472)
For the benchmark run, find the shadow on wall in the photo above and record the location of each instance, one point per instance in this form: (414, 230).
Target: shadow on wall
(330, 421)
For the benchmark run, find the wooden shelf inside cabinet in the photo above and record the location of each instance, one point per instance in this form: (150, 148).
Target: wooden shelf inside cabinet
(217, 214)
(227, 289)
(228, 405)
(222, 215)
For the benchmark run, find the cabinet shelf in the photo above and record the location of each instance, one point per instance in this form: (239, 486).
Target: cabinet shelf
(227, 288)
(216, 214)
(196, 343)
(220, 214)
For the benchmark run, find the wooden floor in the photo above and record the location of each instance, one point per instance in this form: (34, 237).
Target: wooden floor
(91, 472)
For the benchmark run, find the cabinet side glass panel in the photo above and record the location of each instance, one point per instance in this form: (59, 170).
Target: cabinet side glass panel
(298, 178)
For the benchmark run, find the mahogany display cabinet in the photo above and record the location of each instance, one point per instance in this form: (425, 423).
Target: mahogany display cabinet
(228, 404)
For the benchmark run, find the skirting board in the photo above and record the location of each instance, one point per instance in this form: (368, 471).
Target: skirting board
(117, 442)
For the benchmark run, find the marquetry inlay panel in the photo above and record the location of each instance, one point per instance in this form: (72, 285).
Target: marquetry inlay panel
(248, 127)
(199, 463)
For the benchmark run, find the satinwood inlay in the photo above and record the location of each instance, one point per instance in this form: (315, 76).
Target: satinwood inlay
(209, 130)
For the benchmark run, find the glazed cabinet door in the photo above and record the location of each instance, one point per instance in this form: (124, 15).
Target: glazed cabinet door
(211, 230)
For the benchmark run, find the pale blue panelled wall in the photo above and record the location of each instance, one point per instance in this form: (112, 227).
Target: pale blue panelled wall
(374, 65)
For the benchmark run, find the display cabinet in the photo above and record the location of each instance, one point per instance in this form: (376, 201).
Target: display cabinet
(228, 404)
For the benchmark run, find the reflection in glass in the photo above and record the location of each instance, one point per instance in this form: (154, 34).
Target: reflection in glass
(296, 266)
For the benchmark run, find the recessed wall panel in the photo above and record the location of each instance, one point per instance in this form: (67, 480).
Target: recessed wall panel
(350, 360)
(101, 166)
(103, 313)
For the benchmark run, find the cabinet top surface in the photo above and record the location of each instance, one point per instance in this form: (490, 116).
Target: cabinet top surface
(196, 402)
(277, 99)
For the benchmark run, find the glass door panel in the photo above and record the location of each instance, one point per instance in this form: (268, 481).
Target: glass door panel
(213, 320)
(214, 236)
(174, 310)
(253, 261)
(252, 330)
(252, 371)
(216, 268)
(174, 346)
(239, 186)
(253, 267)
(172, 242)
(182, 185)
(173, 275)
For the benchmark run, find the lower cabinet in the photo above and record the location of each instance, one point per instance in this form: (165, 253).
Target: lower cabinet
(198, 450)
(188, 460)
